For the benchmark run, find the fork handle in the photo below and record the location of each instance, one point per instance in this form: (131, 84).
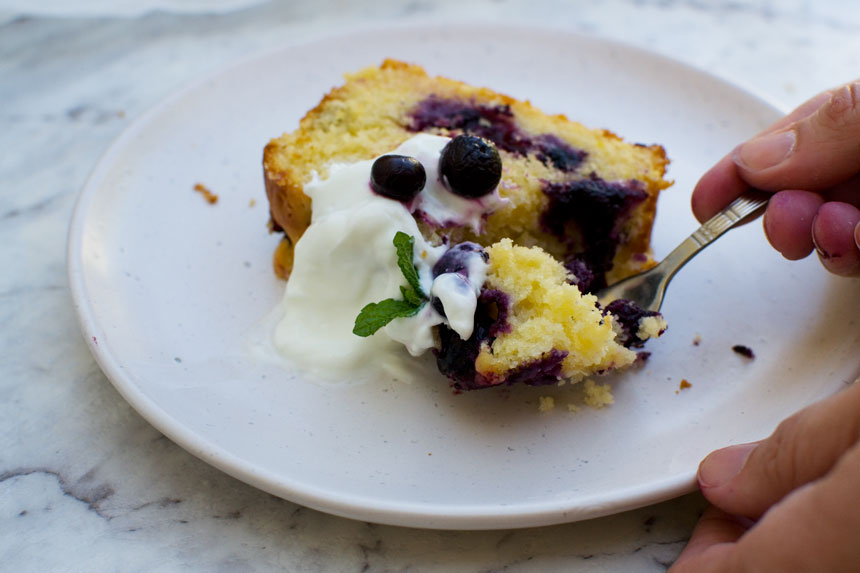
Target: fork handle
(749, 205)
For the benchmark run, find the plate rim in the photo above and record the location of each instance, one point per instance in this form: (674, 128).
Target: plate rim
(415, 514)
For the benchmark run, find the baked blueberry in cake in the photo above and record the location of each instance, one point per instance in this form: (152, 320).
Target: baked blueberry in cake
(500, 222)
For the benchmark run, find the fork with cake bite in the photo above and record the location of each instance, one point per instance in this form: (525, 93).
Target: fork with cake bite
(648, 288)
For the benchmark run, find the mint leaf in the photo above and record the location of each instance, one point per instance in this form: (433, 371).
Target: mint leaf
(411, 296)
(377, 314)
(405, 248)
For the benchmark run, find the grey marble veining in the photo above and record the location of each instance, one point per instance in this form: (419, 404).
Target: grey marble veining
(85, 483)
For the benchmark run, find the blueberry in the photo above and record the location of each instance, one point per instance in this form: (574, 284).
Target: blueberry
(470, 166)
(456, 259)
(397, 177)
(583, 276)
(437, 304)
(627, 315)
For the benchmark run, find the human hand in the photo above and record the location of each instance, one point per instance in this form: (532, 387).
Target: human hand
(811, 160)
(787, 503)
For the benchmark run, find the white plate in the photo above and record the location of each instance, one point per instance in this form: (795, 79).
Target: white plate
(171, 291)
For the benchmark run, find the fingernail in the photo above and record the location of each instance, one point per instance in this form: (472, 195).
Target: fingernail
(722, 465)
(822, 254)
(766, 227)
(766, 151)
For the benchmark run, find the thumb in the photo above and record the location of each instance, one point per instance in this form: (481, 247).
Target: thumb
(748, 479)
(813, 153)
(815, 528)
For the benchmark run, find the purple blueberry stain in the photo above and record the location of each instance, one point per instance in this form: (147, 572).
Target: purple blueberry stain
(591, 209)
(456, 357)
(641, 358)
(539, 372)
(627, 315)
(560, 154)
(496, 123)
(580, 273)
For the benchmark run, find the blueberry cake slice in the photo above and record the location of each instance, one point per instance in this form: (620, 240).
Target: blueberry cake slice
(539, 211)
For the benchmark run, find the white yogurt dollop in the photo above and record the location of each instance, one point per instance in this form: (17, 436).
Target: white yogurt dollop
(346, 259)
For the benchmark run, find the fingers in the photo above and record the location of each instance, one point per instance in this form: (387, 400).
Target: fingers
(814, 153)
(813, 529)
(834, 232)
(746, 480)
(815, 147)
(857, 236)
(847, 191)
(721, 185)
(710, 542)
(788, 222)
(805, 109)
(796, 222)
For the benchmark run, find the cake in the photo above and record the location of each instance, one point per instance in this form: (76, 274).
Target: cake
(571, 210)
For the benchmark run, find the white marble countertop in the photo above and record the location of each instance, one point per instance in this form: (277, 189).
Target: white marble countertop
(85, 482)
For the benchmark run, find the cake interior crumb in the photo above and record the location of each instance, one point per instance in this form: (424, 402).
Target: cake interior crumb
(546, 403)
(598, 395)
(651, 327)
(588, 393)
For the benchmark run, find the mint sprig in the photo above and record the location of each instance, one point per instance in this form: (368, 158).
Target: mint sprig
(409, 295)
(405, 245)
(377, 314)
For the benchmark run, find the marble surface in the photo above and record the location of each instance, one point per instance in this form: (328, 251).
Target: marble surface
(86, 483)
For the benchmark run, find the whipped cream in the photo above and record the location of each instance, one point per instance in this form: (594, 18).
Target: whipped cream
(346, 259)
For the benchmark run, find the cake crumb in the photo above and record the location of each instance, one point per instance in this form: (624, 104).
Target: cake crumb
(683, 385)
(252, 202)
(598, 395)
(546, 404)
(651, 327)
(211, 197)
(641, 358)
(571, 407)
(744, 351)
(697, 340)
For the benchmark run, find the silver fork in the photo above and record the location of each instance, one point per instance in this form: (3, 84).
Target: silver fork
(647, 289)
